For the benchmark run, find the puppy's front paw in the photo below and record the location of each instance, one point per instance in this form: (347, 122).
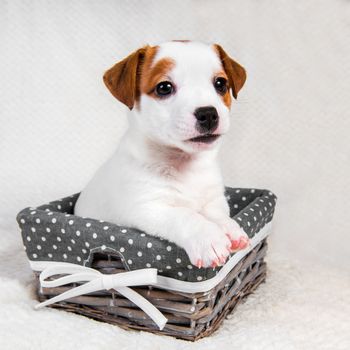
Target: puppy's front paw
(208, 246)
(239, 239)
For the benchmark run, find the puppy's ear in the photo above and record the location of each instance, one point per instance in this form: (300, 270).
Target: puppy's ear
(123, 79)
(235, 72)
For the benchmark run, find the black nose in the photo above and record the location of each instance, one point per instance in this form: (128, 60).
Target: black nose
(207, 119)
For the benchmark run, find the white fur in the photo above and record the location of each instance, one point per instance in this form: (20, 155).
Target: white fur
(159, 182)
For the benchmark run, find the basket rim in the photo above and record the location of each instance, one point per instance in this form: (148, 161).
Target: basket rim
(169, 283)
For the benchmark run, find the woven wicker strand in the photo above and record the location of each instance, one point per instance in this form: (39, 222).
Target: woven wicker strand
(190, 315)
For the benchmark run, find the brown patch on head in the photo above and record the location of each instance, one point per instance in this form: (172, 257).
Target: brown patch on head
(154, 72)
(236, 74)
(123, 79)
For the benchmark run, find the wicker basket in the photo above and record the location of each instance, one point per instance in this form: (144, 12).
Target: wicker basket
(190, 316)
(192, 302)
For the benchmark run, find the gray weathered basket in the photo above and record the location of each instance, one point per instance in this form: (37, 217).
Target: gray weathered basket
(195, 305)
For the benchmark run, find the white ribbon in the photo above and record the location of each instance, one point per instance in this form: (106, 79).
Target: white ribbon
(98, 281)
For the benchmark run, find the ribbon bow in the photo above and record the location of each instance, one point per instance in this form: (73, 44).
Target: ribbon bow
(98, 281)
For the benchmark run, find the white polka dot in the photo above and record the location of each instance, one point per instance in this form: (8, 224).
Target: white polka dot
(50, 213)
(84, 251)
(235, 206)
(69, 248)
(105, 228)
(71, 204)
(59, 239)
(168, 248)
(237, 191)
(37, 221)
(139, 253)
(33, 229)
(23, 221)
(94, 235)
(38, 247)
(122, 249)
(246, 214)
(63, 230)
(158, 257)
(67, 215)
(59, 207)
(148, 265)
(168, 267)
(54, 246)
(248, 223)
(64, 256)
(87, 245)
(54, 220)
(124, 230)
(77, 233)
(199, 278)
(28, 239)
(178, 260)
(142, 235)
(112, 238)
(149, 245)
(73, 241)
(244, 198)
(189, 267)
(179, 273)
(49, 255)
(252, 190)
(43, 238)
(48, 229)
(101, 220)
(130, 241)
(35, 256)
(33, 212)
(78, 258)
(239, 219)
(71, 222)
(129, 261)
(103, 247)
(88, 224)
(254, 218)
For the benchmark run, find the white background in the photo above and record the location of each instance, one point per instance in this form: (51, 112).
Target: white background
(290, 126)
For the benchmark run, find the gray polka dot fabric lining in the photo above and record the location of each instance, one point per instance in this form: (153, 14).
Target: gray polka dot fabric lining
(52, 233)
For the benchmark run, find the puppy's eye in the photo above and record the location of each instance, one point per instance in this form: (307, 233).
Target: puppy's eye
(164, 88)
(220, 85)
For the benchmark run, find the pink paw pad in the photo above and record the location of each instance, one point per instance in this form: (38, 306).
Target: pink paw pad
(215, 263)
(235, 244)
(243, 242)
(199, 263)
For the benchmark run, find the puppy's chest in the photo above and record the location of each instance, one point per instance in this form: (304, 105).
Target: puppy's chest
(195, 190)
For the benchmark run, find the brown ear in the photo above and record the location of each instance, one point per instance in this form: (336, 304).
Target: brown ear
(123, 79)
(235, 72)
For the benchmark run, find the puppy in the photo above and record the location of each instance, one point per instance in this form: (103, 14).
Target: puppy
(164, 177)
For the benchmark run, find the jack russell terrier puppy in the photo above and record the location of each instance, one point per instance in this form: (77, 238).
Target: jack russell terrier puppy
(164, 177)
